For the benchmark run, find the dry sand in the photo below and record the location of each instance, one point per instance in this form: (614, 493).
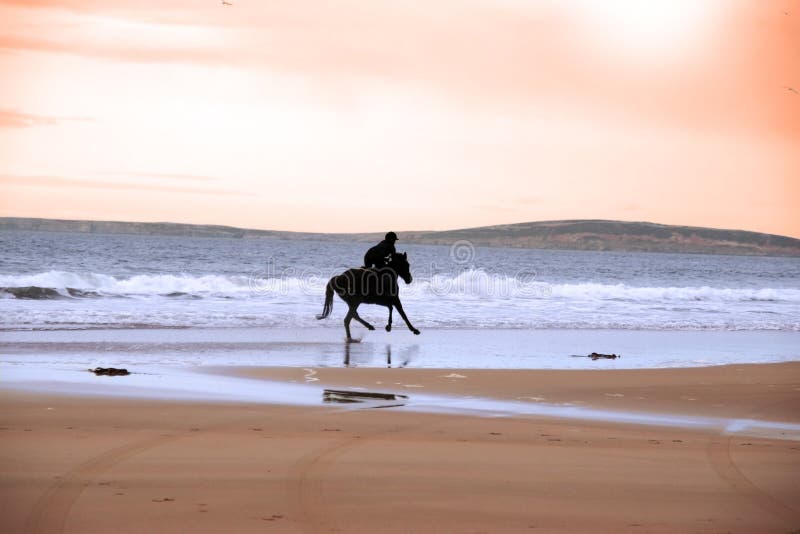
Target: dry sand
(79, 464)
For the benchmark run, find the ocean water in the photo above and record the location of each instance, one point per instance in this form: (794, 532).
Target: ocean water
(62, 281)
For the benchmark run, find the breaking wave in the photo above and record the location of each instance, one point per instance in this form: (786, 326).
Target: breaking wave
(44, 293)
(467, 285)
(61, 284)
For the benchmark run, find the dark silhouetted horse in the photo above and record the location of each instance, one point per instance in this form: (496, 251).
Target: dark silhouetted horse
(370, 286)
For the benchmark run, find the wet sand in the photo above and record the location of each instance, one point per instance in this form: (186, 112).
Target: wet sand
(770, 392)
(89, 464)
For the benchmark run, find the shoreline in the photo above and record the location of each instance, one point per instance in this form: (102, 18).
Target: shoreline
(729, 399)
(434, 348)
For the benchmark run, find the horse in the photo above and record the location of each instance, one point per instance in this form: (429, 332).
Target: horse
(370, 286)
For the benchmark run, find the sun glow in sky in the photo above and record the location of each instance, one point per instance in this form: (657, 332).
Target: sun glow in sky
(366, 116)
(650, 29)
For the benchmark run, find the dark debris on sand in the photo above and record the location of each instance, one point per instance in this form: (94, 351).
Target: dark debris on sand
(109, 371)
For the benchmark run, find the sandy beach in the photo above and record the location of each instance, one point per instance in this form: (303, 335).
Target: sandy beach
(93, 464)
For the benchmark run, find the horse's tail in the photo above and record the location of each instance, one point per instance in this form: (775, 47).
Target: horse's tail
(326, 310)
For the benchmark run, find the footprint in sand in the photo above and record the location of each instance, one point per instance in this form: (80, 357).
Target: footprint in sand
(310, 375)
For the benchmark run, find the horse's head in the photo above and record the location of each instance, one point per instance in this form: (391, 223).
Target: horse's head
(399, 264)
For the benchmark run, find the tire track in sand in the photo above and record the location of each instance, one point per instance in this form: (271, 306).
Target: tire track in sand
(306, 479)
(51, 510)
(49, 513)
(719, 456)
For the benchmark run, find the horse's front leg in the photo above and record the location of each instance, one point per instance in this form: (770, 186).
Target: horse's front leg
(389, 324)
(405, 318)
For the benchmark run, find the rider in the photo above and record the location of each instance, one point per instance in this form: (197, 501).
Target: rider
(376, 256)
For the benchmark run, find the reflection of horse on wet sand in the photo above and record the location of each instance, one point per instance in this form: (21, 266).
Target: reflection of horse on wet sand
(406, 355)
(370, 286)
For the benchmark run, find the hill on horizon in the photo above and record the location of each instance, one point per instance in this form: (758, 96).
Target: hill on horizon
(588, 234)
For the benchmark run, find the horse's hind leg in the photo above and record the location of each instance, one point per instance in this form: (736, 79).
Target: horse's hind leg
(389, 324)
(347, 319)
(360, 320)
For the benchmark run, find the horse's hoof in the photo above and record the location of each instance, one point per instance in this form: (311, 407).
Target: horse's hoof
(370, 327)
(416, 332)
(388, 328)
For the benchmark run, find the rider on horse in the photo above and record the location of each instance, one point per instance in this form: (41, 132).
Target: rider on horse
(377, 255)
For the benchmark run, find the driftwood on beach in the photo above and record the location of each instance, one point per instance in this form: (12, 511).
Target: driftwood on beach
(343, 395)
(598, 356)
(109, 371)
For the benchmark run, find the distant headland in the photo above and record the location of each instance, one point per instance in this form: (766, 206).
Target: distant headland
(598, 235)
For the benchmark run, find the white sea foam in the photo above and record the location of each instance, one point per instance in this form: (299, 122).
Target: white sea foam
(470, 298)
(467, 284)
(156, 285)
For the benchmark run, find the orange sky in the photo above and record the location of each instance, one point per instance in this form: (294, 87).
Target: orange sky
(375, 115)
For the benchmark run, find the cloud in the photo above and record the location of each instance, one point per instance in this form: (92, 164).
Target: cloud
(66, 182)
(504, 55)
(128, 8)
(161, 175)
(14, 119)
(142, 53)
